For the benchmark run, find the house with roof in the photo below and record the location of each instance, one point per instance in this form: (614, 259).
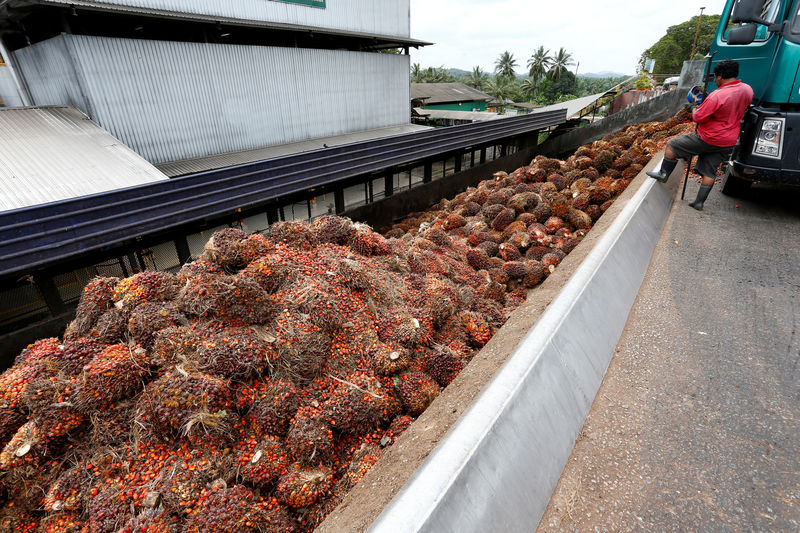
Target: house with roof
(449, 96)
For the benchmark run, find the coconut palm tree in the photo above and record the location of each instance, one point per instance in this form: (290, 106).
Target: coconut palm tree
(499, 87)
(529, 87)
(416, 73)
(505, 64)
(539, 63)
(560, 64)
(477, 78)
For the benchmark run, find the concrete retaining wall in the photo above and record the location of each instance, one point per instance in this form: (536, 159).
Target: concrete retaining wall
(497, 467)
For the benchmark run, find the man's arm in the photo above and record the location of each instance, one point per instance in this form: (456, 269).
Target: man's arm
(706, 109)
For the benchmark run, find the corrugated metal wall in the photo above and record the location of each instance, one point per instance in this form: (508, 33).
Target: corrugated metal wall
(8, 91)
(383, 17)
(173, 100)
(50, 74)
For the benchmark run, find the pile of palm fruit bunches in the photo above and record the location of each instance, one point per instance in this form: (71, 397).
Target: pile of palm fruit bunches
(253, 389)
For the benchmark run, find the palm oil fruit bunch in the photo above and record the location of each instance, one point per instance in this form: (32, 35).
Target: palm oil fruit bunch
(253, 389)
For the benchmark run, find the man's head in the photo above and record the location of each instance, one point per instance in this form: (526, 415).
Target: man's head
(726, 70)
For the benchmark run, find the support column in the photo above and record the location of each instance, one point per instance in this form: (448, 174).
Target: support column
(272, 215)
(388, 183)
(338, 201)
(428, 176)
(458, 157)
(50, 293)
(182, 247)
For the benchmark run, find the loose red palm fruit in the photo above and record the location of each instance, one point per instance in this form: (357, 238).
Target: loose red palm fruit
(509, 252)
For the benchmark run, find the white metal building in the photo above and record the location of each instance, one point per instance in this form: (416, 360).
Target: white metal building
(180, 79)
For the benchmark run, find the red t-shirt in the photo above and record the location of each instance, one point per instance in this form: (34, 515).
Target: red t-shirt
(719, 115)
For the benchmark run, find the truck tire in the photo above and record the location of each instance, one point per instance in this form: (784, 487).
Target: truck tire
(733, 186)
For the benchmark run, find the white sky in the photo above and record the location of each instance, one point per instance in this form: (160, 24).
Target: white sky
(602, 36)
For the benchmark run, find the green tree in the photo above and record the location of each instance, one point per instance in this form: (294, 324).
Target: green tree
(552, 90)
(499, 87)
(539, 63)
(505, 64)
(529, 87)
(561, 62)
(675, 47)
(477, 78)
(416, 73)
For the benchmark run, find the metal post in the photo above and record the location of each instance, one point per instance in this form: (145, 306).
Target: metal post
(282, 214)
(428, 176)
(338, 201)
(182, 247)
(458, 157)
(388, 183)
(50, 293)
(686, 178)
(696, 32)
(308, 204)
(471, 158)
(483, 155)
(125, 273)
(370, 192)
(272, 215)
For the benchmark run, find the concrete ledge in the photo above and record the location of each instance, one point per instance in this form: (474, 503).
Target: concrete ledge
(497, 467)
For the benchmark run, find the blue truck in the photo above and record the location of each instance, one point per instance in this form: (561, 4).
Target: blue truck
(764, 37)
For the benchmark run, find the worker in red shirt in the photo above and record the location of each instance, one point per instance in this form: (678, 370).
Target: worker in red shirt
(718, 125)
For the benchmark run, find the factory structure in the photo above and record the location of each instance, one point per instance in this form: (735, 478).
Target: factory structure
(182, 79)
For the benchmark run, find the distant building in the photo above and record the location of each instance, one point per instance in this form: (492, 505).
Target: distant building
(180, 79)
(449, 96)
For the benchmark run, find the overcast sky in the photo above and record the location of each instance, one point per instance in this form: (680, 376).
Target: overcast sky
(602, 36)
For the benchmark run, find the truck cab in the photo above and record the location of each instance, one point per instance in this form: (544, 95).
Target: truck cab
(764, 37)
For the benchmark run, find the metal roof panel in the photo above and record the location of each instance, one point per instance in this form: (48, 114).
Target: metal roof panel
(55, 153)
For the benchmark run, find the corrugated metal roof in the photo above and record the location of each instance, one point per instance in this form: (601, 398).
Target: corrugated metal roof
(201, 164)
(367, 18)
(572, 106)
(446, 114)
(173, 100)
(54, 153)
(439, 93)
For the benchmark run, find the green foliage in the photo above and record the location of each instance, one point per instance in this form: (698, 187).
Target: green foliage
(561, 63)
(500, 87)
(477, 78)
(643, 82)
(505, 64)
(539, 63)
(390, 51)
(552, 89)
(431, 75)
(676, 46)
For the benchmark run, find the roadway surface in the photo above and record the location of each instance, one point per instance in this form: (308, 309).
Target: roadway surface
(697, 424)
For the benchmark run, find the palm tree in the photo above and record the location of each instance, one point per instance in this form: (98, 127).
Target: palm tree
(477, 78)
(538, 64)
(498, 87)
(504, 66)
(560, 64)
(416, 73)
(528, 87)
